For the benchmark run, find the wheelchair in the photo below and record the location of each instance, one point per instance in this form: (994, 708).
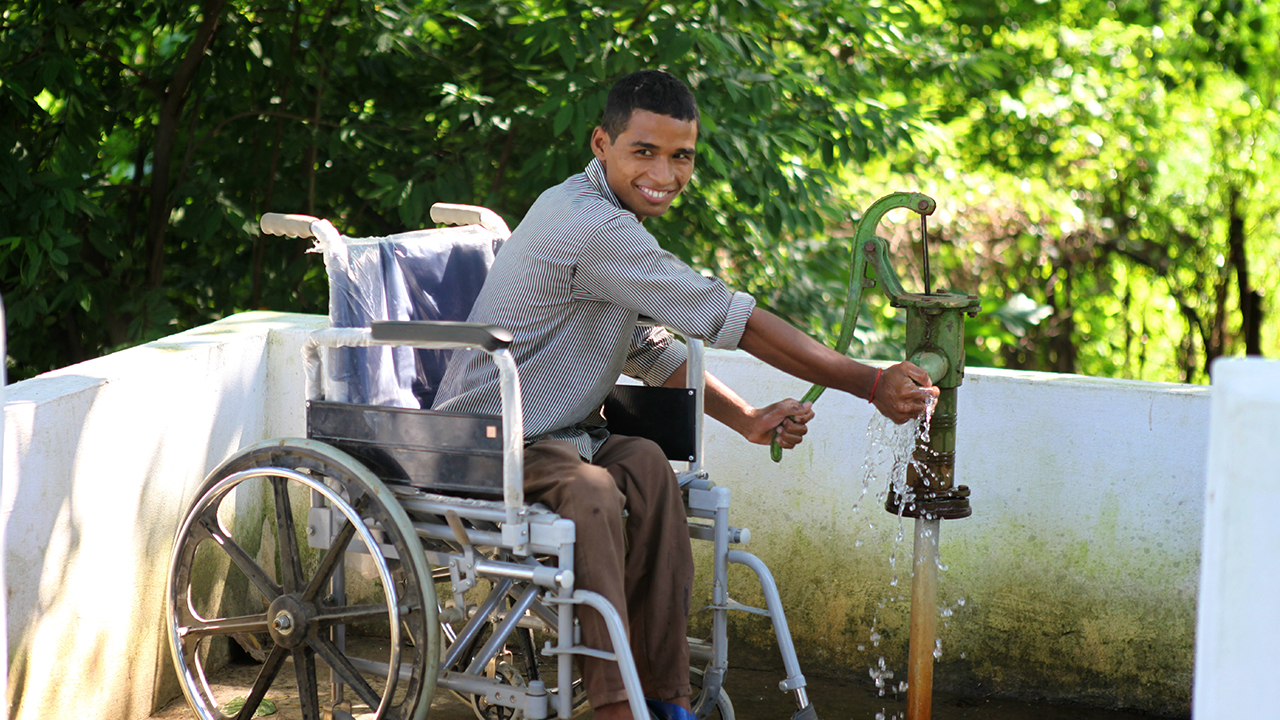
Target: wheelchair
(390, 553)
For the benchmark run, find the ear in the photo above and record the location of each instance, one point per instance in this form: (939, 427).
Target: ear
(599, 141)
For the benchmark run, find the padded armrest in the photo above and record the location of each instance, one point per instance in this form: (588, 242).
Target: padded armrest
(462, 334)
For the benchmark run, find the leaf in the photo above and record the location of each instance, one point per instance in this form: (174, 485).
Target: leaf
(568, 53)
(265, 707)
(564, 116)
(1020, 313)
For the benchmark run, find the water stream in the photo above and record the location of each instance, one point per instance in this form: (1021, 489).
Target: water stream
(890, 453)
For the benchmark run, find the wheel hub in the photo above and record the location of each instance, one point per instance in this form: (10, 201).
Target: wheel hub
(289, 621)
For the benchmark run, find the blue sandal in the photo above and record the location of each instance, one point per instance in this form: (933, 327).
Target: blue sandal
(668, 711)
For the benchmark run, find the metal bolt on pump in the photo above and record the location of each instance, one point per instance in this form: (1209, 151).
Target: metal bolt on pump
(935, 342)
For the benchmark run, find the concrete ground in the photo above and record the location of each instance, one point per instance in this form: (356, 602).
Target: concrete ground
(754, 694)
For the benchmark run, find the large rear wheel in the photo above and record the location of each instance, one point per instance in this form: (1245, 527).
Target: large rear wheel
(298, 554)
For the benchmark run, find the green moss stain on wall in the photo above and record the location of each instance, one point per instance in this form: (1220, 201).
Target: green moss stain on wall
(1094, 620)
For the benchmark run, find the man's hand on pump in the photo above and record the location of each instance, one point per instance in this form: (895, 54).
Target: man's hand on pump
(786, 420)
(902, 392)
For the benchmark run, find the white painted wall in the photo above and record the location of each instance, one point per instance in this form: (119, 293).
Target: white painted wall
(100, 461)
(4, 588)
(1078, 568)
(1239, 629)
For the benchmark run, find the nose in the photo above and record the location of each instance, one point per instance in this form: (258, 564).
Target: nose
(663, 171)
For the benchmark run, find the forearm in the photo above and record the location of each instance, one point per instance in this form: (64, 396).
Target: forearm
(719, 400)
(776, 342)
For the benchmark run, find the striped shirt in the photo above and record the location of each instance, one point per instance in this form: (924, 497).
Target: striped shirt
(570, 285)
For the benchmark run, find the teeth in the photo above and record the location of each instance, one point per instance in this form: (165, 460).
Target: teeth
(655, 194)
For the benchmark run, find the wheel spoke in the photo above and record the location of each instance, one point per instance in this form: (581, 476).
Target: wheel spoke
(259, 577)
(290, 558)
(224, 626)
(304, 665)
(343, 667)
(266, 676)
(351, 613)
(330, 561)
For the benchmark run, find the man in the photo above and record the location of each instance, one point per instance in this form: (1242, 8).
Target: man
(569, 285)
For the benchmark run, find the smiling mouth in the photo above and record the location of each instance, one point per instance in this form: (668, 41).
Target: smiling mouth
(656, 195)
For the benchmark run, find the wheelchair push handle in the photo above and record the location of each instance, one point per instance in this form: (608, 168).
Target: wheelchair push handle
(289, 225)
(455, 214)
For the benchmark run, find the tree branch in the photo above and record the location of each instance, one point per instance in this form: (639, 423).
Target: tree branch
(166, 132)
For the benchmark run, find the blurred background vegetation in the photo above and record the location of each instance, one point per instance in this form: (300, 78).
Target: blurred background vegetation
(1107, 173)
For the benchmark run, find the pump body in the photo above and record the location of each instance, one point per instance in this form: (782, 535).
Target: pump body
(935, 342)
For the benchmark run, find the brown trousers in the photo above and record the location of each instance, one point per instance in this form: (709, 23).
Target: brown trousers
(641, 562)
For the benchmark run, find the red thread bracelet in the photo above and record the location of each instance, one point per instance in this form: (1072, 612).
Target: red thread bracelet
(872, 397)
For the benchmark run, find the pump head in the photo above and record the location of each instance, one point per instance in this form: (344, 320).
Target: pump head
(935, 342)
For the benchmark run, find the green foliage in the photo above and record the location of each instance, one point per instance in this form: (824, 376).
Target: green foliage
(144, 142)
(1119, 171)
(1105, 171)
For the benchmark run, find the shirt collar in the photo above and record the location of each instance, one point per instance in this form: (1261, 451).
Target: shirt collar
(595, 174)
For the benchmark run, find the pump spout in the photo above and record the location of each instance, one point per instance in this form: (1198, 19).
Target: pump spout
(933, 363)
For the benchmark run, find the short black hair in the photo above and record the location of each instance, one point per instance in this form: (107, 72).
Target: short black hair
(653, 90)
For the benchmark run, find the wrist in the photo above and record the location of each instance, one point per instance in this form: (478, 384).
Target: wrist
(750, 419)
(875, 384)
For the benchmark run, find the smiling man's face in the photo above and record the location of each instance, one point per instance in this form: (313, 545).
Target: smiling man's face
(649, 163)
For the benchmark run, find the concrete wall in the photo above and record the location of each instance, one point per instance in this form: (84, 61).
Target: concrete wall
(1239, 630)
(101, 460)
(1074, 580)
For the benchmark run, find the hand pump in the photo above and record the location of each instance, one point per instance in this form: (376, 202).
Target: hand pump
(935, 342)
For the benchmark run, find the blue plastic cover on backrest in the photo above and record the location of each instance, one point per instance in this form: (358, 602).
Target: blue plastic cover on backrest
(421, 275)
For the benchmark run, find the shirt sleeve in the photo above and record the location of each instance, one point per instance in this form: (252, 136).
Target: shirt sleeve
(623, 264)
(655, 354)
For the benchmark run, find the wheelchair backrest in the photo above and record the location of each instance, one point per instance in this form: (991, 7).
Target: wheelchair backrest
(432, 274)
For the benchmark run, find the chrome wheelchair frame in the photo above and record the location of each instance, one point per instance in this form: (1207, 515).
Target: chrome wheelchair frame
(363, 558)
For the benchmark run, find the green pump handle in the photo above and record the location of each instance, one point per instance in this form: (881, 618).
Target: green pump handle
(865, 242)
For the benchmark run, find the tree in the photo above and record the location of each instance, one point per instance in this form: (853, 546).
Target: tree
(1126, 153)
(145, 141)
